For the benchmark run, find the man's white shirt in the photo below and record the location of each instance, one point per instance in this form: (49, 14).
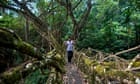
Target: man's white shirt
(69, 45)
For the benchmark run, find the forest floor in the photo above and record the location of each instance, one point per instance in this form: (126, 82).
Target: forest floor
(73, 75)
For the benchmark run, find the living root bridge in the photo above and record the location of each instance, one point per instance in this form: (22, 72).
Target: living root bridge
(104, 68)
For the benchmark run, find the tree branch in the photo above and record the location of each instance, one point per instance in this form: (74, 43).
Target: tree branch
(47, 12)
(124, 51)
(76, 5)
(86, 14)
(69, 9)
(11, 8)
(62, 3)
(83, 19)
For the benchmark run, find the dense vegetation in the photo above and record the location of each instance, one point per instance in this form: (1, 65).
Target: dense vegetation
(106, 25)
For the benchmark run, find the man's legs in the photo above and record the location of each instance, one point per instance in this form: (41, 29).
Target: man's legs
(70, 55)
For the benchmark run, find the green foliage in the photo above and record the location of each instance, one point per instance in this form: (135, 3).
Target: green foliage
(135, 17)
(36, 77)
(10, 21)
(110, 27)
(113, 37)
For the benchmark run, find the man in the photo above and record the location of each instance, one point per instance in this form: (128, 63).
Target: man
(70, 47)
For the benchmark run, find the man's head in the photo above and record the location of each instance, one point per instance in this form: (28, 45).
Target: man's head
(70, 38)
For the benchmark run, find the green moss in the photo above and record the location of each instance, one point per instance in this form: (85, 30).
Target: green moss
(110, 64)
(100, 69)
(87, 61)
(136, 64)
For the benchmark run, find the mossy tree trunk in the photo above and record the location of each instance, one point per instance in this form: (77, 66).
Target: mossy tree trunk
(9, 39)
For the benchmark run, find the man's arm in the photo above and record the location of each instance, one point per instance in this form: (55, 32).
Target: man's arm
(73, 42)
(65, 43)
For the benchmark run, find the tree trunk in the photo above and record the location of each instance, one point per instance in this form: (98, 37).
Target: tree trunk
(137, 30)
(26, 30)
(77, 25)
(26, 33)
